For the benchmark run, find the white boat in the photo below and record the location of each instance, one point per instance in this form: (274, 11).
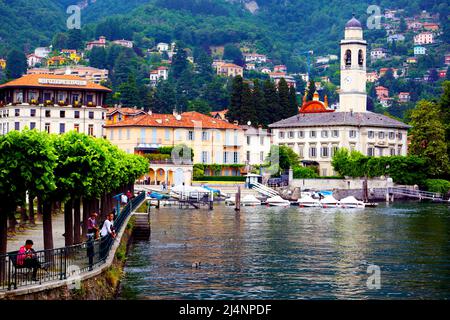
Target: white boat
(231, 201)
(250, 200)
(188, 191)
(352, 202)
(308, 201)
(330, 202)
(278, 201)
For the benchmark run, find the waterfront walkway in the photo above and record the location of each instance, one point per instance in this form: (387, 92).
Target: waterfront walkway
(35, 233)
(63, 264)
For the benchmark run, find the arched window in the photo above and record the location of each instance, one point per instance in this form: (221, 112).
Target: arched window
(348, 58)
(360, 58)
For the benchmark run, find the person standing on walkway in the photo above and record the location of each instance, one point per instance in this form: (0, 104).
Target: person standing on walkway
(92, 235)
(92, 227)
(108, 234)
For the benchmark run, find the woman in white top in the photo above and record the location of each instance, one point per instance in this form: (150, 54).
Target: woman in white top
(108, 227)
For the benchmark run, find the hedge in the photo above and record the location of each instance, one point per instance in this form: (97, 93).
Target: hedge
(438, 185)
(221, 178)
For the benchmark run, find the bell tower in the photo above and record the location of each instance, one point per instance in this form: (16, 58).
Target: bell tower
(353, 96)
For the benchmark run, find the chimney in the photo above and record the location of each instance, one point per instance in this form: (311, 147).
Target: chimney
(149, 112)
(175, 112)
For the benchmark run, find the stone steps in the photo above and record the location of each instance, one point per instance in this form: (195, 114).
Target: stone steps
(141, 229)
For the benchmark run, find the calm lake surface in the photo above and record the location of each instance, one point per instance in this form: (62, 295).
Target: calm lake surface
(294, 253)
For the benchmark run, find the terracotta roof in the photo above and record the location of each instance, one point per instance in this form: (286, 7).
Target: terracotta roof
(32, 80)
(186, 120)
(128, 111)
(230, 65)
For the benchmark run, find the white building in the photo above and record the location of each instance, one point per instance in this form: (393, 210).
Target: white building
(424, 38)
(124, 43)
(419, 50)
(56, 104)
(33, 60)
(255, 57)
(42, 52)
(318, 131)
(162, 47)
(161, 73)
(257, 145)
(378, 53)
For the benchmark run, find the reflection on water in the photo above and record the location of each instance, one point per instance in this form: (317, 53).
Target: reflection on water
(277, 253)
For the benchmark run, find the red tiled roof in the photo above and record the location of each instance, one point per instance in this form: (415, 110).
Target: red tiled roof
(129, 111)
(186, 120)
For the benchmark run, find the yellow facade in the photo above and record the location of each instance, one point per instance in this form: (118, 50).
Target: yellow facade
(2, 64)
(210, 146)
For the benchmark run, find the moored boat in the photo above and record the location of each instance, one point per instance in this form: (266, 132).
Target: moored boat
(278, 201)
(250, 200)
(352, 202)
(308, 201)
(330, 202)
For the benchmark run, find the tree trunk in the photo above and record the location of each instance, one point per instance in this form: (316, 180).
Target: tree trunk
(86, 213)
(39, 206)
(47, 206)
(23, 214)
(12, 221)
(3, 240)
(76, 221)
(68, 222)
(31, 208)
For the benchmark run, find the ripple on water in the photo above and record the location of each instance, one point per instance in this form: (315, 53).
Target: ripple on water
(295, 253)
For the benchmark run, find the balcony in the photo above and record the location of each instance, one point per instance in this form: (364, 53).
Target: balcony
(147, 144)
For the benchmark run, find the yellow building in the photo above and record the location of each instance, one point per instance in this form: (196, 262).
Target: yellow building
(230, 70)
(213, 141)
(2, 64)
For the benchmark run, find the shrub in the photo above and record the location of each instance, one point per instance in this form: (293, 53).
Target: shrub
(304, 173)
(438, 185)
(220, 178)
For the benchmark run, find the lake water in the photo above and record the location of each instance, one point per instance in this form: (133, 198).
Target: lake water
(294, 253)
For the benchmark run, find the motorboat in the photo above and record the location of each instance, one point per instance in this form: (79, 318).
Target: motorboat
(231, 201)
(330, 202)
(352, 202)
(182, 191)
(278, 201)
(157, 196)
(250, 200)
(308, 201)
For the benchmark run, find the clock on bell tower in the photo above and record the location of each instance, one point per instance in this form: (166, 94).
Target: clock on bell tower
(353, 96)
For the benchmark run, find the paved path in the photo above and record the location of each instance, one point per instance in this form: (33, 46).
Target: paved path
(36, 234)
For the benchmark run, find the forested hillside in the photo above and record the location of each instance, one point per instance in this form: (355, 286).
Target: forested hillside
(279, 28)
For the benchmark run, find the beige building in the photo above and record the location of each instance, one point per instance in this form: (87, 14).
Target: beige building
(318, 131)
(213, 141)
(230, 70)
(89, 73)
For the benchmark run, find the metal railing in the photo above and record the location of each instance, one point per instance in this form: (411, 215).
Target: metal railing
(412, 193)
(62, 264)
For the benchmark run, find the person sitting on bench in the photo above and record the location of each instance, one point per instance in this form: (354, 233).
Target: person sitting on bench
(26, 258)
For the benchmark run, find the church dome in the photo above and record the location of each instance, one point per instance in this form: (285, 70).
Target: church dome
(353, 23)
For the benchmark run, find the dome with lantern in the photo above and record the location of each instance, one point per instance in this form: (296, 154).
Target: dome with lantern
(315, 106)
